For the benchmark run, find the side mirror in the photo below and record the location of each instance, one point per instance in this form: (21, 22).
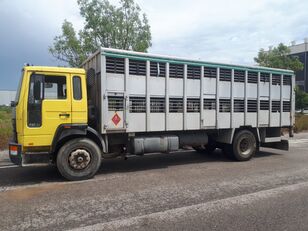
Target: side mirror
(13, 104)
(37, 90)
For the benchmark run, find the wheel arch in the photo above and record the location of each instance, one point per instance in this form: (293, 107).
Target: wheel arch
(65, 133)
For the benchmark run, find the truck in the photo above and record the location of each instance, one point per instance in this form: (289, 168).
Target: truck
(123, 103)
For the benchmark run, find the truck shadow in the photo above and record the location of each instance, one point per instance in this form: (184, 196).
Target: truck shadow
(11, 177)
(160, 160)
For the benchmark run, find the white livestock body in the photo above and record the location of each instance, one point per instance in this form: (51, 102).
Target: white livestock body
(142, 92)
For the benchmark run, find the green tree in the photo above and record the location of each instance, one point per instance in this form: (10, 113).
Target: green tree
(279, 57)
(301, 99)
(106, 25)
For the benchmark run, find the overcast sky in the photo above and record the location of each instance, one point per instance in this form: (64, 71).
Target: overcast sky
(229, 31)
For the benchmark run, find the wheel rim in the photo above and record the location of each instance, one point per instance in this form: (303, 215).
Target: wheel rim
(79, 159)
(245, 145)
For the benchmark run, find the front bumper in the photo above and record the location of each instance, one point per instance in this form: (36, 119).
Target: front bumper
(15, 153)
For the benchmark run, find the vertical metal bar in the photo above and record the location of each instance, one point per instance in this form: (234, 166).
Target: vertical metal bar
(201, 97)
(167, 97)
(281, 99)
(126, 93)
(258, 99)
(292, 100)
(245, 98)
(148, 111)
(217, 97)
(185, 97)
(270, 101)
(104, 93)
(232, 99)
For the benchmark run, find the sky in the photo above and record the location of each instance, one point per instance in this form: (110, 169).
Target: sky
(230, 31)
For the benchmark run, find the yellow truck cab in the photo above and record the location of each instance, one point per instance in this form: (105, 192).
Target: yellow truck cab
(49, 101)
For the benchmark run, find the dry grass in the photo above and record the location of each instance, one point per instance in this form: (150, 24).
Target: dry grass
(5, 126)
(301, 123)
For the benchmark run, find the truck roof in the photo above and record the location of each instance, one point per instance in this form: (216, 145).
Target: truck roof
(172, 59)
(55, 69)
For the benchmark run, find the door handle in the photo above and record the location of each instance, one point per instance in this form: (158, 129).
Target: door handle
(66, 115)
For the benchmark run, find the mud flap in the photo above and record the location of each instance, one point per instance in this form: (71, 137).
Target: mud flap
(282, 145)
(15, 154)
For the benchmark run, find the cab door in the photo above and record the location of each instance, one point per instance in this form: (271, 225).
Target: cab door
(49, 105)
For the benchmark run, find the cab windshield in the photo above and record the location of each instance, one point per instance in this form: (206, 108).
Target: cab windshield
(18, 89)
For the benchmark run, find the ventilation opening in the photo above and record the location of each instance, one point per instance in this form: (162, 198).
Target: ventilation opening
(252, 106)
(225, 75)
(137, 67)
(276, 79)
(210, 72)
(239, 76)
(224, 105)
(157, 69)
(264, 77)
(115, 65)
(275, 106)
(115, 103)
(193, 105)
(157, 105)
(252, 77)
(209, 104)
(239, 105)
(287, 79)
(264, 105)
(176, 71)
(137, 104)
(176, 105)
(193, 72)
(286, 106)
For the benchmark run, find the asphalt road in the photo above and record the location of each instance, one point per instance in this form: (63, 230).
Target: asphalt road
(182, 191)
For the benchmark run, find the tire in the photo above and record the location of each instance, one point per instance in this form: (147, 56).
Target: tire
(209, 148)
(79, 159)
(244, 146)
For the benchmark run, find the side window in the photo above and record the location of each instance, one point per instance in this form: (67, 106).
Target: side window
(77, 92)
(55, 87)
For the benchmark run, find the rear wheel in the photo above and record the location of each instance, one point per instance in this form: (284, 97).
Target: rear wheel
(79, 159)
(244, 146)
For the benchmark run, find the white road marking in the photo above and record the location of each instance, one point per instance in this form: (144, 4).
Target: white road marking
(298, 141)
(173, 215)
(8, 166)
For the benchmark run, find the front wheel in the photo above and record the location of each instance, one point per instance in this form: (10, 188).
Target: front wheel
(79, 159)
(244, 145)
